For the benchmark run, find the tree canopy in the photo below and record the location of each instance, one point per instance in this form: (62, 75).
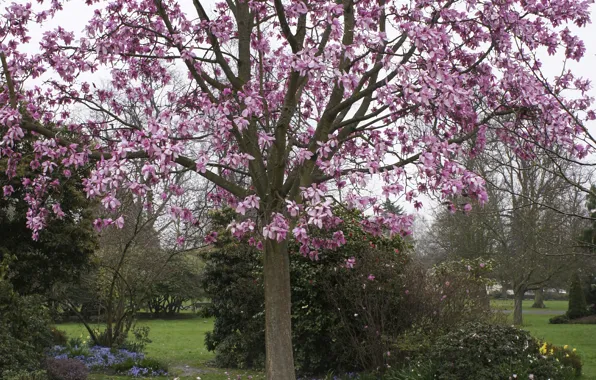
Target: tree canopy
(288, 105)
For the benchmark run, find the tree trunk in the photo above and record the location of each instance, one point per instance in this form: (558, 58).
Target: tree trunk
(278, 319)
(518, 298)
(504, 294)
(539, 299)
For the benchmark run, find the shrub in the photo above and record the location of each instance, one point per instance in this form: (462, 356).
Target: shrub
(417, 370)
(559, 319)
(481, 351)
(24, 329)
(25, 375)
(588, 320)
(142, 367)
(66, 369)
(577, 299)
(564, 355)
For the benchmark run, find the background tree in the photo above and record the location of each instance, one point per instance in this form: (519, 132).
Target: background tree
(528, 227)
(352, 91)
(24, 328)
(63, 250)
(577, 299)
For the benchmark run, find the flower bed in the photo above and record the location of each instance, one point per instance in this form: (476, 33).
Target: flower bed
(102, 359)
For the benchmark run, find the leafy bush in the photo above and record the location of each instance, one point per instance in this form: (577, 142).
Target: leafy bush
(142, 367)
(564, 355)
(577, 299)
(24, 329)
(481, 351)
(417, 370)
(66, 369)
(588, 320)
(559, 319)
(25, 375)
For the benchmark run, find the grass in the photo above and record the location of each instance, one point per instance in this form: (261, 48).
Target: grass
(179, 343)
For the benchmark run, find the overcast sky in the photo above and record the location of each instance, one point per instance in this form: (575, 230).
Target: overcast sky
(76, 13)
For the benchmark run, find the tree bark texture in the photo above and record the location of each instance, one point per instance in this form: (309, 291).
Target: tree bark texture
(278, 319)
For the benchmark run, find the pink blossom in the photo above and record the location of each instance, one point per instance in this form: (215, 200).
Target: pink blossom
(350, 262)
(7, 190)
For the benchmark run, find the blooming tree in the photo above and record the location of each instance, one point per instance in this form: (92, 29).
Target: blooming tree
(286, 101)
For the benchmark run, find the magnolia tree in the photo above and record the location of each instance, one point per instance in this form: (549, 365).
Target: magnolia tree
(286, 101)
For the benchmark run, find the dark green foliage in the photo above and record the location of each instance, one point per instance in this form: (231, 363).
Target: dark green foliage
(66, 369)
(559, 319)
(483, 351)
(331, 330)
(564, 355)
(65, 245)
(24, 329)
(25, 375)
(590, 292)
(577, 299)
(232, 279)
(150, 364)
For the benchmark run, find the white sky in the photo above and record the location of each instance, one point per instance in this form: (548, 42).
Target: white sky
(76, 13)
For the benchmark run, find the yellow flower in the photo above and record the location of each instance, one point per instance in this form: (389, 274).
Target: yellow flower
(574, 350)
(565, 347)
(566, 355)
(543, 349)
(552, 351)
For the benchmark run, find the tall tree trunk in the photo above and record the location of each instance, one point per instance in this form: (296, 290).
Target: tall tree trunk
(539, 299)
(518, 297)
(278, 318)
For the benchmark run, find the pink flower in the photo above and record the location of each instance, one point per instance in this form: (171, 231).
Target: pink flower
(350, 262)
(371, 277)
(119, 222)
(8, 190)
(211, 238)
